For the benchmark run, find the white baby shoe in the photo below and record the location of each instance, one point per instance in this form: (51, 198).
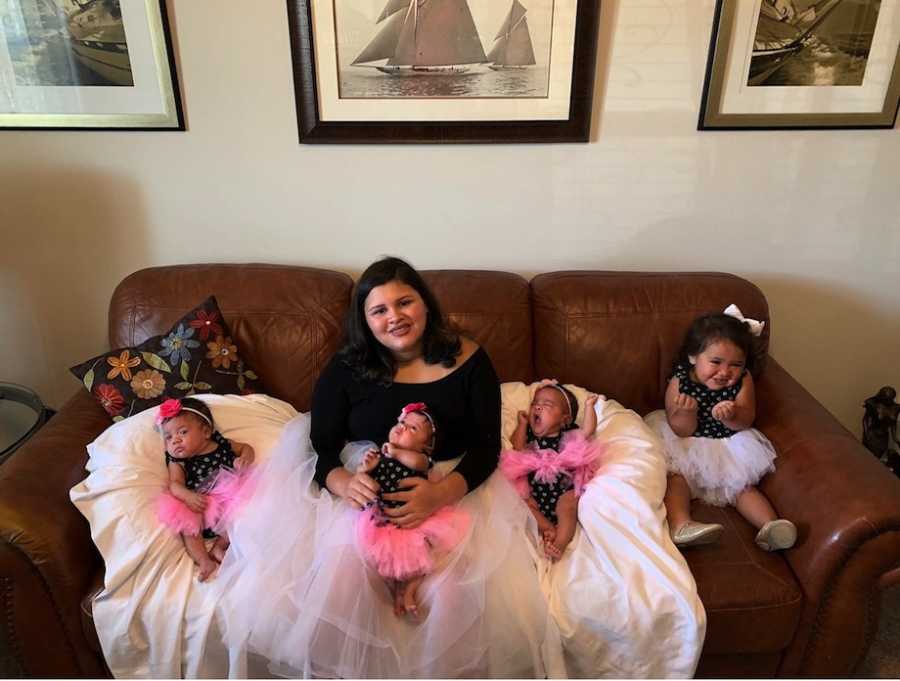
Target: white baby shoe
(693, 533)
(776, 535)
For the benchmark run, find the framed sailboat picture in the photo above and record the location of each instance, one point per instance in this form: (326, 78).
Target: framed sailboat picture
(405, 71)
(87, 64)
(799, 64)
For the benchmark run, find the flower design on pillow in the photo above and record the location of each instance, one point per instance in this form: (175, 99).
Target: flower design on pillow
(207, 323)
(148, 384)
(110, 398)
(122, 364)
(177, 345)
(222, 352)
(173, 364)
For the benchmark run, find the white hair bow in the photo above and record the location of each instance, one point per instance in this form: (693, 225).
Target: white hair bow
(756, 326)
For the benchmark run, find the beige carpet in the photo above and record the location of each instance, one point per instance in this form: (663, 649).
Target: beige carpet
(883, 660)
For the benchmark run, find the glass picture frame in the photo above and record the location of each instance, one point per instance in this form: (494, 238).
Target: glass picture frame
(87, 65)
(413, 71)
(802, 64)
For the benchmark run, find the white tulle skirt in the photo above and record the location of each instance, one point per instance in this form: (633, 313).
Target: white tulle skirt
(717, 470)
(295, 589)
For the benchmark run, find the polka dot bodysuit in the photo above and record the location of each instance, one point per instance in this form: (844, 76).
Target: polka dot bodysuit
(707, 426)
(198, 470)
(547, 494)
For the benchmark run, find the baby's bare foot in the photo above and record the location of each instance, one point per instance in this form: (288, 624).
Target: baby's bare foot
(206, 567)
(552, 551)
(410, 605)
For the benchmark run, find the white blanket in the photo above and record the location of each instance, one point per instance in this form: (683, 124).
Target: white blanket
(623, 596)
(153, 618)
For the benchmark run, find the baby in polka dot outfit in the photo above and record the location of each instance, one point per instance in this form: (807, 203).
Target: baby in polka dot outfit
(711, 449)
(207, 479)
(403, 556)
(552, 460)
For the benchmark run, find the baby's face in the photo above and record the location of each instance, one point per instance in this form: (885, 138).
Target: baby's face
(186, 435)
(720, 365)
(413, 431)
(549, 412)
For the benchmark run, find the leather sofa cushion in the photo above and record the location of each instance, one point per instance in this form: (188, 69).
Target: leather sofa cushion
(752, 599)
(617, 333)
(286, 320)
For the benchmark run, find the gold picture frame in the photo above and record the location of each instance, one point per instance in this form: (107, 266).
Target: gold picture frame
(87, 65)
(769, 65)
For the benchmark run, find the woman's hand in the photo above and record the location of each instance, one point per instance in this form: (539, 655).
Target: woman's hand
(362, 490)
(421, 497)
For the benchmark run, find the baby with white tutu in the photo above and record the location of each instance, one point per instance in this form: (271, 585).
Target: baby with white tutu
(206, 479)
(403, 556)
(552, 461)
(711, 449)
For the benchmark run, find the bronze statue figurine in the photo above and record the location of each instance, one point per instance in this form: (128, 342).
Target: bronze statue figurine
(880, 427)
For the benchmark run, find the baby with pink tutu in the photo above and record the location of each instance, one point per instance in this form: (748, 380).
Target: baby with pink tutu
(207, 479)
(403, 556)
(552, 461)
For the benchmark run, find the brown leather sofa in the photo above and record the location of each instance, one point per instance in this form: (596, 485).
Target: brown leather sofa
(810, 611)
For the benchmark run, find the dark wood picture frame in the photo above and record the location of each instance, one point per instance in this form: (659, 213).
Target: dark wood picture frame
(313, 130)
(713, 118)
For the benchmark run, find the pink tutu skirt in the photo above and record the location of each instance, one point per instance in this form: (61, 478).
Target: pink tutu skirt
(224, 494)
(578, 458)
(401, 553)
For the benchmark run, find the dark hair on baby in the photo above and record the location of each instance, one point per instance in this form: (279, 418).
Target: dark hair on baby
(711, 328)
(370, 360)
(192, 403)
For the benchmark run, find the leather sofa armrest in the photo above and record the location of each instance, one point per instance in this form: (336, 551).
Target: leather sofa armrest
(47, 558)
(846, 506)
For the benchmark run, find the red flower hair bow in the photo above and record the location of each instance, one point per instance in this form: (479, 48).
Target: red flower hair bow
(168, 409)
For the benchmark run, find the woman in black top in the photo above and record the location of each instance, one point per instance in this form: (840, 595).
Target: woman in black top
(315, 607)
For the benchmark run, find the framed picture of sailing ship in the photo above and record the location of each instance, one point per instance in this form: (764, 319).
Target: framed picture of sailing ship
(800, 64)
(402, 71)
(87, 64)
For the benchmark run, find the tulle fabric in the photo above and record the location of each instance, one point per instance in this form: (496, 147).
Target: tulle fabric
(296, 589)
(227, 491)
(579, 458)
(400, 553)
(716, 469)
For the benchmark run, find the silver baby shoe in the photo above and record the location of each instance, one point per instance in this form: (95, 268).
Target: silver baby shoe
(693, 533)
(776, 535)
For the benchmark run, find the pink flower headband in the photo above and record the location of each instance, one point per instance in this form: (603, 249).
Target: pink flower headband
(419, 408)
(172, 408)
(553, 383)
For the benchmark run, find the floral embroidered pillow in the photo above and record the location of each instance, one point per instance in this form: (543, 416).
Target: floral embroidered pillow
(197, 355)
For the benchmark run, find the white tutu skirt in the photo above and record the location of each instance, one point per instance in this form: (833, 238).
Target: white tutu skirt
(717, 470)
(295, 589)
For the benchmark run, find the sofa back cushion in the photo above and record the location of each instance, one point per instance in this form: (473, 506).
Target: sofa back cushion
(492, 308)
(617, 333)
(286, 320)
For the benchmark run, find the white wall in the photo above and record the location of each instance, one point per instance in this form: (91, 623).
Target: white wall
(811, 217)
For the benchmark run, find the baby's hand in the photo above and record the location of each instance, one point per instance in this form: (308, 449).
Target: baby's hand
(370, 460)
(685, 403)
(522, 418)
(724, 410)
(591, 401)
(196, 502)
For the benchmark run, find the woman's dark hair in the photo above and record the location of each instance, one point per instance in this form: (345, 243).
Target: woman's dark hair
(370, 360)
(711, 328)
